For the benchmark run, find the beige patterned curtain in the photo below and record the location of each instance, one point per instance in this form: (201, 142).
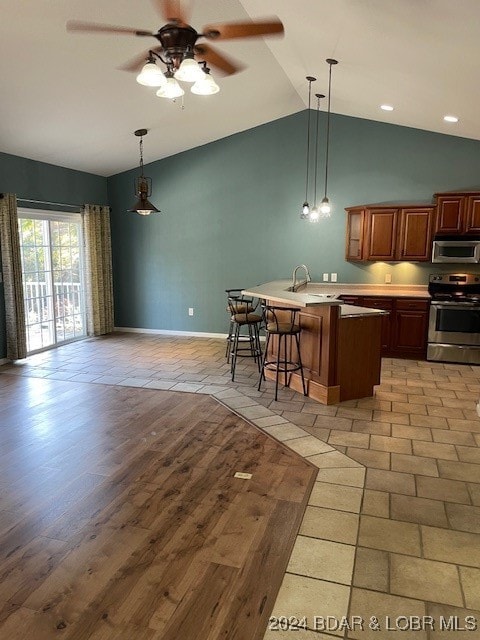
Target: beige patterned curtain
(98, 268)
(12, 278)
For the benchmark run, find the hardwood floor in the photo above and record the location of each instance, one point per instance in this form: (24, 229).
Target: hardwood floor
(121, 518)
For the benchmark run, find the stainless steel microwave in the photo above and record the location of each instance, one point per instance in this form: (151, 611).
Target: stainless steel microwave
(456, 249)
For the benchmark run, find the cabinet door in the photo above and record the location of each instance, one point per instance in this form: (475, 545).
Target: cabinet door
(416, 230)
(450, 214)
(387, 305)
(354, 236)
(381, 234)
(472, 217)
(410, 328)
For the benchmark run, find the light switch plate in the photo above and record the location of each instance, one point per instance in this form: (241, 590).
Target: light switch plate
(325, 277)
(388, 278)
(333, 277)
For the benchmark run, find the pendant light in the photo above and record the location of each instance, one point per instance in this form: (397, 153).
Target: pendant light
(305, 213)
(325, 208)
(315, 213)
(143, 185)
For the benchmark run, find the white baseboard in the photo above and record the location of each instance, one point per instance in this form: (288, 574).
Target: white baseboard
(166, 332)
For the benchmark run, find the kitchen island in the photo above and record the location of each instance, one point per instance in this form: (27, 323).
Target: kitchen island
(340, 343)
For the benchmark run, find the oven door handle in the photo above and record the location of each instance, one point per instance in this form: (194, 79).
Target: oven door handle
(449, 305)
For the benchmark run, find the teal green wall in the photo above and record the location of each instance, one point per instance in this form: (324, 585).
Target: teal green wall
(41, 181)
(230, 214)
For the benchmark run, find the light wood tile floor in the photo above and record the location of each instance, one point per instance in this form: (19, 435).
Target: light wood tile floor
(120, 516)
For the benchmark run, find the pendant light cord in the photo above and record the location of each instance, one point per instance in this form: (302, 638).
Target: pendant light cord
(327, 146)
(310, 80)
(318, 95)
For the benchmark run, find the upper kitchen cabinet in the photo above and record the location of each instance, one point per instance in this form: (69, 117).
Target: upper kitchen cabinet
(390, 233)
(416, 232)
(458, 213)
(381, 234)
(354, 237)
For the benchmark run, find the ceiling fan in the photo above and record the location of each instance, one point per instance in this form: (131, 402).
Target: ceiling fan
(183, 57)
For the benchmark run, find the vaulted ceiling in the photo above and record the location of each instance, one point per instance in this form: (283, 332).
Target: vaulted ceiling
(64, 101)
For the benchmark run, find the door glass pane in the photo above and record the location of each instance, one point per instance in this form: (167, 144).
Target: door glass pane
(51, 252)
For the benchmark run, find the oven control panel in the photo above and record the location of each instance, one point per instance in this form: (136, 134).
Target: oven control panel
(454, 278)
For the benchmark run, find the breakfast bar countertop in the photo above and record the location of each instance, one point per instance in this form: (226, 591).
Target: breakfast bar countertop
(315, 294)
(278, 291)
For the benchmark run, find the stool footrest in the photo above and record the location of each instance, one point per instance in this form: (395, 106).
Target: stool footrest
(283, 367)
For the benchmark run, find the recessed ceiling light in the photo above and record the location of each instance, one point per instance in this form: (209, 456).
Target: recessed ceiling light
(386, 107)
(450, 118)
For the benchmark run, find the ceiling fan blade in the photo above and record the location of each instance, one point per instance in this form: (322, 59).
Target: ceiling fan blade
(230, 30)
(78, 25)
(213, 57)
(171, 10)
(135, 64)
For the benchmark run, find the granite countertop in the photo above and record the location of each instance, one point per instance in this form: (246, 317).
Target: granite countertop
(316, 293)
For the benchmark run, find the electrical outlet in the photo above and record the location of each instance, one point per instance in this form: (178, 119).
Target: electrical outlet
(190, 311)
(325, 277)
(388, 278)
(333, 277)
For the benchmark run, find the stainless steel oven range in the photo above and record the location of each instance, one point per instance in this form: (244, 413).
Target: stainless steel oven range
(454, 325)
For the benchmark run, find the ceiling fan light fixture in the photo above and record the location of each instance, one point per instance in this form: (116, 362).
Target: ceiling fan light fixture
(151, 75)
(206, 86)
(178, 48)
(189, 70)
(171, 89)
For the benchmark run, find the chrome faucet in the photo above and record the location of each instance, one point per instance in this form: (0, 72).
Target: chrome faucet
(296, 285)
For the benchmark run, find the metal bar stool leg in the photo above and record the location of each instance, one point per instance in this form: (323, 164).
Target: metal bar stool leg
(258, 348)
(234, 349)
(264, 359)
(277, 372)
(229, 342)
(297, 339)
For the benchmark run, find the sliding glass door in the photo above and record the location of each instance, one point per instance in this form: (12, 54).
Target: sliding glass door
(53, 280)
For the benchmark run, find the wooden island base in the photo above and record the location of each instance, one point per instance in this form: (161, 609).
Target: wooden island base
(340, 354)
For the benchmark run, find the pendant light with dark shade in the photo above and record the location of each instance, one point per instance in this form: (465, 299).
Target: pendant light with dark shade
(305, 212)
(325, 208)
(143, 185)
(315, 213)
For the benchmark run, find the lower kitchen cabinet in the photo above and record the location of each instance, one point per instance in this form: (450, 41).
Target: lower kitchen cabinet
(404, 330)
(387, 305)
(410, 326)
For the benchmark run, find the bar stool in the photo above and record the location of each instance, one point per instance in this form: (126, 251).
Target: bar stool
(282, 322)
(243, 304)
(244, 345)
